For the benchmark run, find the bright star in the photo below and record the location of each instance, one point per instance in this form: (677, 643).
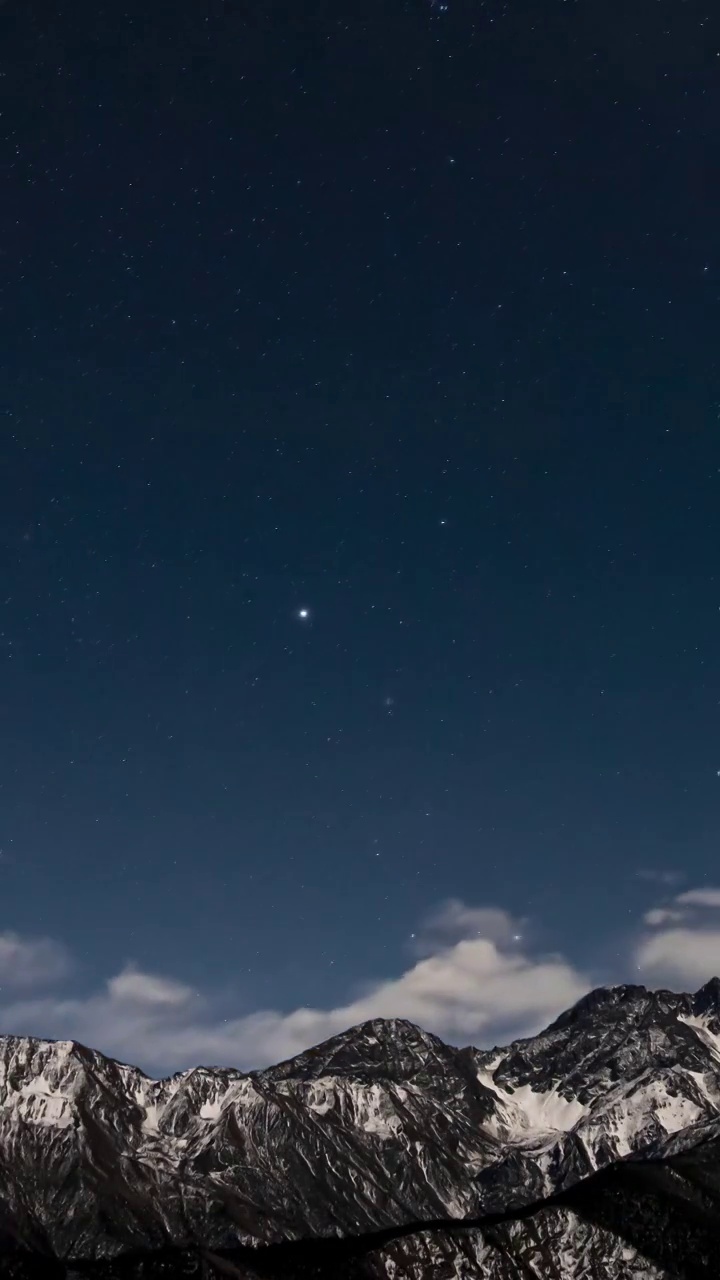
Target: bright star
(303, 614)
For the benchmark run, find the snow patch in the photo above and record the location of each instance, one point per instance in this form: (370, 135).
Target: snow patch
(703, 1080)
(675, 1113)
(524, 1112)
(374, 1112)
(631, 1111)
(710, 1039)
(40, 1104)
(321, 1097)
(151, 1121)
(211, 1110)
(548, 1110)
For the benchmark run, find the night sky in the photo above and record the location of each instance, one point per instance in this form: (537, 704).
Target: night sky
(360, 514)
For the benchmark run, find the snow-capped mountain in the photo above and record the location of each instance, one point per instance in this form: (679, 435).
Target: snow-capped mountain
(383, 1129)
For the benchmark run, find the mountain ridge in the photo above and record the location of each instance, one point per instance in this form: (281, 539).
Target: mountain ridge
(380, 1127)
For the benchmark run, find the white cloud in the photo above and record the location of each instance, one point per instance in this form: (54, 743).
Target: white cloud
(699, 898)
(30, 962)
(659, 875)
(475, 988)
(662, 915)
(453, 921)
(685, 956)
(147, 990)
(684, 945)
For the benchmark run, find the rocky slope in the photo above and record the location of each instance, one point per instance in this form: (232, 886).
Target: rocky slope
(382, 1129)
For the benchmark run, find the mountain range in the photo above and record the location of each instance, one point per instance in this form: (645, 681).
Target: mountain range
(590, 1150)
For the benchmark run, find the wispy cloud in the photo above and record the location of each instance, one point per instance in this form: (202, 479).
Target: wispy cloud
(700, 898)
(455, 921)
(682, 943)
(31, 962)
(660, 875)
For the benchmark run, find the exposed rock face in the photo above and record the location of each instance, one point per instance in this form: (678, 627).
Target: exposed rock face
(386, 1130)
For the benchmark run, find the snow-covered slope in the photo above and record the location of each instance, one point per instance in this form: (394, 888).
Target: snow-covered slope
(377, 1128)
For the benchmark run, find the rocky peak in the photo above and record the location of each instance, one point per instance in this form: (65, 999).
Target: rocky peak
(599, 1001)
(707, 998)
(393, 1047)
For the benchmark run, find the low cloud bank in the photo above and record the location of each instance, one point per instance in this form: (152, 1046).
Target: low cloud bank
(475, 979)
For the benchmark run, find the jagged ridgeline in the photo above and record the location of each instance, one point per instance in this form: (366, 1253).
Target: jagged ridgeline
(589, 1151)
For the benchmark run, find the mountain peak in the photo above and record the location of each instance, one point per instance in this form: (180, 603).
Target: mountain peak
(707, 998)
(390, 1046)
(394, 1029)
(600, 998)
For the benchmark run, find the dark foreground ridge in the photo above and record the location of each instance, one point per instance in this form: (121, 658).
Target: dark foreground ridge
(589, 1151)
(667, 1211)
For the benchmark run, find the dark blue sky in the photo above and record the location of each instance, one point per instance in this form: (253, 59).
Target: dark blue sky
(407, 318)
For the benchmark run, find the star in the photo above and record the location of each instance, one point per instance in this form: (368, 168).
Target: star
(303, 614)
